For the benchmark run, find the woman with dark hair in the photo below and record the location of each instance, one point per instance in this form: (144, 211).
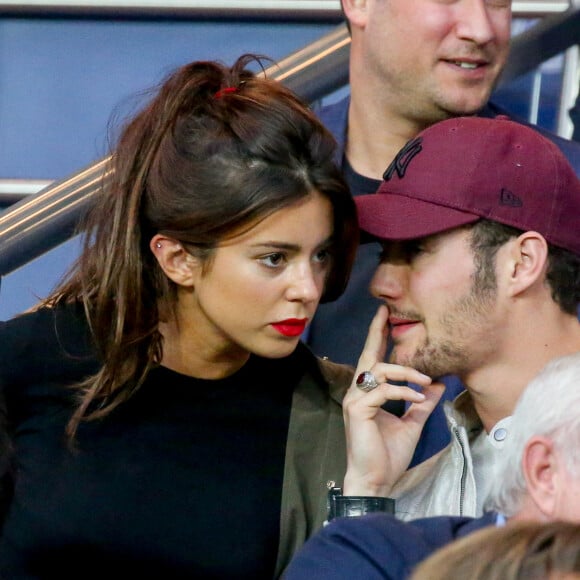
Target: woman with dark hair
(161, 410)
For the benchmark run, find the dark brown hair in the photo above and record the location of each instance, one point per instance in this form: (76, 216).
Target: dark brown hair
(562, 276)
(197, 164)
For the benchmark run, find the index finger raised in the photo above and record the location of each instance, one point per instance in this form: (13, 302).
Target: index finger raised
(375, 346)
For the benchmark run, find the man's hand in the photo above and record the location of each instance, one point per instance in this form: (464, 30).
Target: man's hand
(380, 445)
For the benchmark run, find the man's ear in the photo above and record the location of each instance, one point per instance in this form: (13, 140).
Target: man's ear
(179, 265)
(356, 12)
(540, 467)
(527, 261)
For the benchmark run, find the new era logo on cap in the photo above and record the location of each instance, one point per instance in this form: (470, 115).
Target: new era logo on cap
(509, 198)
(464, 169)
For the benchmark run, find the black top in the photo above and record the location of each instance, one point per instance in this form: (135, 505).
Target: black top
(184, 479)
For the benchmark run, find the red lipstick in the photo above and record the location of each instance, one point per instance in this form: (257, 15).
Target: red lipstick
(291, 326)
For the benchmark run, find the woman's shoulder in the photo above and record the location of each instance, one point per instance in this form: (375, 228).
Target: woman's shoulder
(46, 324)
(40, 339)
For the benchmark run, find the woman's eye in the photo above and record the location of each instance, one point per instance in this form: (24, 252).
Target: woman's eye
(272, 260)
(322, 256)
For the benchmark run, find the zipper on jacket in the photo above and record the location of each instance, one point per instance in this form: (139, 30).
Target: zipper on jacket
(463, 470)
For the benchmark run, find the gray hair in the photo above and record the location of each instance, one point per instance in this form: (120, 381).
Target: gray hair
(549, 407)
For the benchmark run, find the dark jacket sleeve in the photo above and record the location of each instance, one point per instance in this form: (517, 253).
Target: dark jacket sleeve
(376, 546)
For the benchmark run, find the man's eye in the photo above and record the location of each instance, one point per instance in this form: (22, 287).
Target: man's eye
(403, 251)
(412, 249)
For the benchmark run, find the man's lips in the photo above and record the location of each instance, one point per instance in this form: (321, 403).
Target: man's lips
(291, 326)
(468, 66)
(399, 326)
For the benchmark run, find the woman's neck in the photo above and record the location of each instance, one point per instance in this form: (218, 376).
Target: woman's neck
(188, 351)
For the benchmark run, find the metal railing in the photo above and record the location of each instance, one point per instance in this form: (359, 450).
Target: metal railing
(254, 9)
(37, 224)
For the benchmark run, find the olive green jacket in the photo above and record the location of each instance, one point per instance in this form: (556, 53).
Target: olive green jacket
(315, 453)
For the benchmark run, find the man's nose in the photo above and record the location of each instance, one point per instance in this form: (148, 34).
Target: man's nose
(474, 21)
(388, 283)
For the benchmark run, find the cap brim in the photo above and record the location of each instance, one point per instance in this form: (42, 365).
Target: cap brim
(397, 217)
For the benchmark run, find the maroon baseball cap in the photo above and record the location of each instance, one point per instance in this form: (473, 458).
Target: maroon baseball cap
(463, 169)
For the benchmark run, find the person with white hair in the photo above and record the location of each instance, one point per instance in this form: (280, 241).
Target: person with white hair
(544, 441)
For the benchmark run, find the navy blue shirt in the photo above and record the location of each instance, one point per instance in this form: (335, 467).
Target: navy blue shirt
(377, 546)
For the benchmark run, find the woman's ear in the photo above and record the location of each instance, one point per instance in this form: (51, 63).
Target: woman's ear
(527, 261)
(178, 264)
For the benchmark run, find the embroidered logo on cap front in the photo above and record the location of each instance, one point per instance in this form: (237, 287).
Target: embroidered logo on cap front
(510, 199)
(403, 158)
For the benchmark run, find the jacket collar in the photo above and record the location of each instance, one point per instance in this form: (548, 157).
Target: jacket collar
(461, 412)
(325, 372)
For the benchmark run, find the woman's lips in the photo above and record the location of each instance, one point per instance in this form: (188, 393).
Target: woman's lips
(291, 326)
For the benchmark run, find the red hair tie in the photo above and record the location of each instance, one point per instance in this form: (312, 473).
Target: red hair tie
(219, 94)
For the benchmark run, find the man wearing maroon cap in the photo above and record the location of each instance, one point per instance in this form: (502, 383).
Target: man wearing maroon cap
(480, 277)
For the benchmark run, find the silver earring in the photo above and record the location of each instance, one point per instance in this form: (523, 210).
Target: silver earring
(158, 244)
